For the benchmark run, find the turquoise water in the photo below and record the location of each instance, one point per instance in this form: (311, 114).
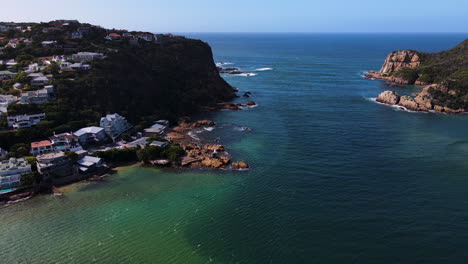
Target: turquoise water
(335, 177)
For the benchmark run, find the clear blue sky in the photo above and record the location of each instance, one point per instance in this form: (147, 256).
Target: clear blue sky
(250, 15)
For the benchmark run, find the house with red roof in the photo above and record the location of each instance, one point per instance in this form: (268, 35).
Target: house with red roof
(40, 147)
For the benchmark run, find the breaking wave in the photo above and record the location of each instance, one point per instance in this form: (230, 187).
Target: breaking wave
(264, 69)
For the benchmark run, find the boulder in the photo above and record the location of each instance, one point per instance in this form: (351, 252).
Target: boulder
(240, 165)
(250, 103)
(212, 162)
(201, 123)
(409, 103)
(388, 97)
(211, 147)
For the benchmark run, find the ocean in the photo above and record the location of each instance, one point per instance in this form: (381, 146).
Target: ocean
(335, 177)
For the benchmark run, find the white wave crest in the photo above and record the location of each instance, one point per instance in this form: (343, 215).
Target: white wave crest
(209, 128)
(219, 64)
(192, 135)
(264, 69)
(395, 107)
(246, 74)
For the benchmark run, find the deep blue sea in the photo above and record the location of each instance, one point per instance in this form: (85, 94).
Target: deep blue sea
(334, 177)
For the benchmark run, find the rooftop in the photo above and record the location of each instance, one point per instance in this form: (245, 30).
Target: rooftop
(44, 143)
(86, 130)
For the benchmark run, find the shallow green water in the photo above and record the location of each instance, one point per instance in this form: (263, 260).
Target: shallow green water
(335, 177)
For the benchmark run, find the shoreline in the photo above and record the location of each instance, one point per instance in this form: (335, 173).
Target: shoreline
(422, 101)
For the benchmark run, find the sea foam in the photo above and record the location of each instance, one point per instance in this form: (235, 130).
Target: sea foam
(264, 69)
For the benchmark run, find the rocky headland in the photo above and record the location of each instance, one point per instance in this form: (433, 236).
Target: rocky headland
(444, 76)
(201, 154)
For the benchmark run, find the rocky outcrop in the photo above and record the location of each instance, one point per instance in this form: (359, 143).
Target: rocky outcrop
(240, 165)
(388, 97)
(423, 101)
(398, 60)
(408, 103)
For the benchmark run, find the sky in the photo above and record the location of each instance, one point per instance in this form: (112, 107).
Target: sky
(249, 15)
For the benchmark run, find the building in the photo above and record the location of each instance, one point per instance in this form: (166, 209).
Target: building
(158, 143)
(87, 56)
(54, 164)
(158, 129)
(79, 66)
(113, 36)
(114, 125)
(40, 81)
(37, 97)
(40, 147)
(23, 121)
(18, 86)
(49, 43)
(3, 153)
(4, 75)
(76, 35)
(89, 164)
(65, 142)
(90, 135)
(11, 171)
(146, 37)
(5, 101)
(60, 58)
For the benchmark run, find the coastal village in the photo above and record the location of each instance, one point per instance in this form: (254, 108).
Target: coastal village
(29, 80)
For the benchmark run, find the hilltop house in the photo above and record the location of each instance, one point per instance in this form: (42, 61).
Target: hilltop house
(113, 36)
(114, 125)
(90, 135)
(146, 37)
(11, 171)
(23, 121)
(76, 35)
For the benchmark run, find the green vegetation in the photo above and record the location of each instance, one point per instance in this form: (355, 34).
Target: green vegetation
(171, 152)
(447, 68)
(142, 82)
(31, 178)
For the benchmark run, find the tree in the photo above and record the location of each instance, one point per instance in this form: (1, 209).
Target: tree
(30, 178)
(71, 155)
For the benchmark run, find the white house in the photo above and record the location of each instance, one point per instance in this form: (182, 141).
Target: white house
(60, 58)
(79, 66)
(5, 101)
(49, 43)
(22, 121)
(87, 56)
(114, 125)
(11, 171)
(39, 81)
(89, 164)
(65, 142)
(18, 86)
(37, 97)
(146, 37)
(90, 135)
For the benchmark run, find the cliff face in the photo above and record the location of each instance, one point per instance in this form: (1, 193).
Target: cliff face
(445, 75)
(398, 60)
(168, 80)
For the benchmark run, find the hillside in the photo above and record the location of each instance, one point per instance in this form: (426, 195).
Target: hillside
(446, 72)
(143, 80)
